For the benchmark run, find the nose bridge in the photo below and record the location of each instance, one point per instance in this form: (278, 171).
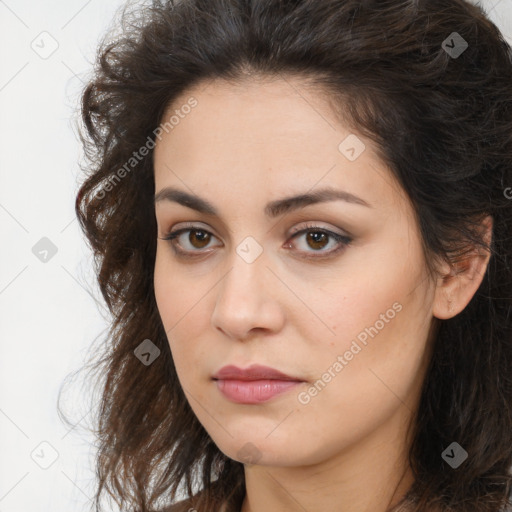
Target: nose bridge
(245, 281)
(244, 298)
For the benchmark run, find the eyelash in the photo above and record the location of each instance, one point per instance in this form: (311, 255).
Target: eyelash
(343, 240)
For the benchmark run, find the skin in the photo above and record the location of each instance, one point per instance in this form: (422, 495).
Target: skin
(239, 148)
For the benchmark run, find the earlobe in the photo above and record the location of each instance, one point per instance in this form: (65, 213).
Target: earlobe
(459, 282)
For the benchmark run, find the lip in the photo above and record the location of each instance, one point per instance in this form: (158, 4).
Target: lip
(253, 385)
(253, 372)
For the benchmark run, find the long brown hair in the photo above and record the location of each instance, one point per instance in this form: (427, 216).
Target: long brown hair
(430, 81)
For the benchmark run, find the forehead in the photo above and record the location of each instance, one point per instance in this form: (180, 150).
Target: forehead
(264, 135)
(245, 114)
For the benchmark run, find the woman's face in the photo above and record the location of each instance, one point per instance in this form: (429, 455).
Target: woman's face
(257, 282)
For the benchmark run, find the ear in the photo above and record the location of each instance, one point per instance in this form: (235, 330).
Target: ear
(459, 282)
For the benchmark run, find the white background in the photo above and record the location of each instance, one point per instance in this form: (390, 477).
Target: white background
(51, 312)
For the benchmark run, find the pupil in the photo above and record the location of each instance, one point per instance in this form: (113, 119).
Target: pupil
(201, 238)
(315, 237)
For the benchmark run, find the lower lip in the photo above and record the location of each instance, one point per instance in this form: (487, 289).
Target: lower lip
(254, 391)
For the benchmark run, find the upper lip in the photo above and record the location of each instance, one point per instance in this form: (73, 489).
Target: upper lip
(253, 372)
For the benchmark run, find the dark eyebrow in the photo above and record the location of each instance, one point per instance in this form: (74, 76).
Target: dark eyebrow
(272, 209)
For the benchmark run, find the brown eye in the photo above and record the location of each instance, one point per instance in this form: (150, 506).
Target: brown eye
(313, 239)
(317, 239)
(199, 241)
(196, 240)
(314, 242)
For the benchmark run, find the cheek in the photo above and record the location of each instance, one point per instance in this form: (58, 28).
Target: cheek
(377, 355)
(355, 305)
(179, 306)
(165, 291)
(175, 293)
(376, 320)
(358, 385)
(185, 308)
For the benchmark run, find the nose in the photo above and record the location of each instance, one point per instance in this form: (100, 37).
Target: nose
(247, 300)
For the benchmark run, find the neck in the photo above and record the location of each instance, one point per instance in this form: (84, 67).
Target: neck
(373, 475)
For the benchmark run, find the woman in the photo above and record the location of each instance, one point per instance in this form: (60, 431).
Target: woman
(301, 216)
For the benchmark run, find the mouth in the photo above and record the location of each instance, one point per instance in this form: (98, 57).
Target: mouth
(253, 385)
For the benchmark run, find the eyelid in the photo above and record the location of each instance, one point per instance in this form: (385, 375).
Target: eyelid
(183, 226)
(342, 241)
(312, 225)
(294, 230)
